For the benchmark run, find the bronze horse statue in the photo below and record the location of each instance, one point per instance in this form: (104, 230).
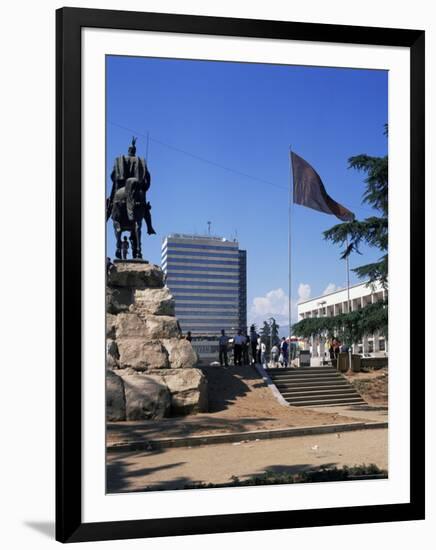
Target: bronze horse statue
(127, 204)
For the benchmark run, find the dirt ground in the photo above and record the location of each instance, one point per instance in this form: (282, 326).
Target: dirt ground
(239, 401)
(177, 468)
(372, 385)
(239, 392)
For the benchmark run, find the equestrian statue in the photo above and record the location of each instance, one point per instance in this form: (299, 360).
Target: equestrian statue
(127, 204)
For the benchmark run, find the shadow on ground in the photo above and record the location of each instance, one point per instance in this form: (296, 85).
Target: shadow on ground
(119, 476)
(169, 427)
(226, 385)
(122, 480)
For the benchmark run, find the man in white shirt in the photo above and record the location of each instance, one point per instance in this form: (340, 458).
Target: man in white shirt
(262, 353)
(239, 342)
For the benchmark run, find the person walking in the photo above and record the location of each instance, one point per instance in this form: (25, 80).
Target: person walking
(239, 342)
(223, 344)
(124, 248)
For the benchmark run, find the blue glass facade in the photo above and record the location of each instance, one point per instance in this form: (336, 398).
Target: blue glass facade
(207, 277)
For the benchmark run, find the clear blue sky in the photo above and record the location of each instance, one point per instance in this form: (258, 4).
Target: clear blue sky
(245, 117)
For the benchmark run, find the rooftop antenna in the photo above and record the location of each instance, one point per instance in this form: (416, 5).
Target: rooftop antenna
(208, 227)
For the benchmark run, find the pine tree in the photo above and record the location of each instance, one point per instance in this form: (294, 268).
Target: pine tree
(265, 334)
(374, 232)
(274, 327)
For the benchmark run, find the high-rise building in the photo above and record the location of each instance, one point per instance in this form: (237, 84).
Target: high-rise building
(208, 278)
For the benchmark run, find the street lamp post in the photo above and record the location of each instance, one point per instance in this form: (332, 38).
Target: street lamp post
(321, 306)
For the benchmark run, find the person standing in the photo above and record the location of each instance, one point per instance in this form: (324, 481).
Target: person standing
(274, 355)
(262, 353)
(336, 347)
(258, 349)
(253, 344)
(284, 348)
(189, 336)
(245, 346)
(223, 344)
(239, 342)
(124, 248)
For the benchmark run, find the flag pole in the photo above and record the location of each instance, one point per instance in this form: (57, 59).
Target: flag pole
(347, 262)
(290, 199)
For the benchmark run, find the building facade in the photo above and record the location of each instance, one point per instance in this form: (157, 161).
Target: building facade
(208, 278)
(336, 303)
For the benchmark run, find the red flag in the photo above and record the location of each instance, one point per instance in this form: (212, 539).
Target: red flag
(310, 191)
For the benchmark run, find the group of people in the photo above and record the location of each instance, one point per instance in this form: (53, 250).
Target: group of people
(250, 349)
(240, 348)
(335, 346)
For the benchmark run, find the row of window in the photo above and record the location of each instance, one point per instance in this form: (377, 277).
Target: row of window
(197, 246)
(198, 261)
(202, 284)
(197, 300)
(183, 314)
(195, 253)
(177, 276)
(210, 292)
(203, 269)
(183, 305)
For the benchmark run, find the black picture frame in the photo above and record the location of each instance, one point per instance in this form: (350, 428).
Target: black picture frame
(69, 525)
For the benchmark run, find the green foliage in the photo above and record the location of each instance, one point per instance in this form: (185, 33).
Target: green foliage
(349, 327)
(324, 472)
(274, 331)
(372, 230)
(269, 333)
(265, 333)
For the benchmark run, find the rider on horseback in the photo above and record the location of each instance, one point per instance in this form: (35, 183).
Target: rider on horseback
(127, 204)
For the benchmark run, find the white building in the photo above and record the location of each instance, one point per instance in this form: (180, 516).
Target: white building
(336, 303)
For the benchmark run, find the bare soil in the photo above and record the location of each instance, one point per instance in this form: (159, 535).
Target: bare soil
(177, 468)
(239, 401)
(239, 392)
(372, 385)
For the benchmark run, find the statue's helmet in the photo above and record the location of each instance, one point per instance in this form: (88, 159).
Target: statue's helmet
(132, 148)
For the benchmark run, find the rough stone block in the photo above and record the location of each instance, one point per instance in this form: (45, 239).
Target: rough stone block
(147, 398)
(154, 301)
(181, 353)
(142, 355)
(115, 397)
(135, 275)
(188, 388)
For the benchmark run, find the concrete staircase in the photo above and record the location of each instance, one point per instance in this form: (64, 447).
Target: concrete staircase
(314, 387)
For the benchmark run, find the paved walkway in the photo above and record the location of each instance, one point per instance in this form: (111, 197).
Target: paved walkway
(174, 468)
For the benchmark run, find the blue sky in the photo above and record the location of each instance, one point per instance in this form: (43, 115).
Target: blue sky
(245, 117)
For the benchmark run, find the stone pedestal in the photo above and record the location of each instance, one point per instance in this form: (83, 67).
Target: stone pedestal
(151, 368)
